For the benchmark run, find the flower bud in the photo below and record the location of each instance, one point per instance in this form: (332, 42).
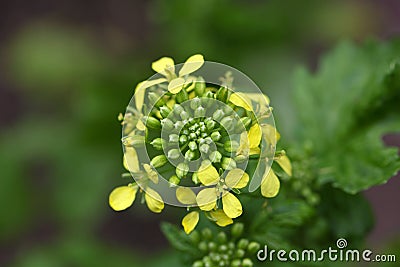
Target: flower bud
(178, 109)
(155, 99)
(243, 243)
(199, 112)
(215, 156)
(195, 178)
(184, 115)
(178, 125)
(182, 96)
(189, 155)
(204, 148)
(195, 103)
(167, 124)
(183, 139)
(192, 136)
(253, 247)
(222, 94)
(231, 146)
(210, 125)
(236, 263)
(151, 122)
(227, 123)
(240, 158)
(158, 143)
(203, 246)
(200, 86)
(218, 115)
(165, 111)
(173, 138)
(228, 163)
(174, 180)
(239, 253)
(206, 233)
(198, 264)
(158, 161)
(134, 140)
(215, 136)
(182, 170)
(192, 145)
(212, 246)
(195, 237)
(221, 237)
(247, 263)
(237, 229)
(246, 121)
(174, 153)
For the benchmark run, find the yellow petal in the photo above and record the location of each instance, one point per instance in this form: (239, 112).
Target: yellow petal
(140, 125)
(131, 161)
(254, 135)
(241, 100)
(285, 164)
(153, 200)
(220, 218)
(191, 65)
(208, 175)
(151, 173)
(190, 221)
(255, 151)
(270, 184)
(207, 199)
(236, 178)
(141, 89)
(122, 197)
(185, 195)
(270, 134)
(162, 64)
(175, 86)
(231, 205)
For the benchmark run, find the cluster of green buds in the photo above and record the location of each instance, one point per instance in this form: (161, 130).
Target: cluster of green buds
(224, 249)
(198, 144)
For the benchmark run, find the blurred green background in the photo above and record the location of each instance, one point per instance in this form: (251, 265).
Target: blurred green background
(69, 67)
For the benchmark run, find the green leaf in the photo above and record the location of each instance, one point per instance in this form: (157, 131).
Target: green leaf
(344, 110)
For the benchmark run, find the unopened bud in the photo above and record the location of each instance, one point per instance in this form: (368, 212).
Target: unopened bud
(228, 163)
(237, 229)
(158, 161)
(165, 111)
(222, 94)
(253, 247)
(243, 243)
(204, 148)
(192, 145)
(240, 158)
(184, 115)
(215, 156)
(182, 170)
(178, 125)
(167, 124)
(189, 155)
(174, 153)
(231, 146)
(182, 96)
(183, 139)
(178, 109)
(218, 115)
(227, 123)
(221, 237)
(210, 125)
(192, 136)
(134, 140)
(158, 143)
(174, 180)
(195, 103)
(173, 138)
(195, 178)
(239, 253)
(215, 136)
(151, 122)
(200, 86)
(206, 233)
(199, 112)
(247, 263)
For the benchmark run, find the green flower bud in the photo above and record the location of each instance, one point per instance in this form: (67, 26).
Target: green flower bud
(167, 124)
(222, 94)
(182, 96)
(237, 229)
(183, 139)
(195, 103)
(210, 125)
(173, 138)
(200, 86)
(206, 233)
(185, 132)
(231, 146)
(215, 156)
(195, 178)
(179, 125)
(247, 263)
(182, 170)
(231, 245)
(239, 253)
(228, 163)
(204, 148)
(189, 155)
(215, 136)
(236, 263)
(134, 140)
(203, 129)
(222, 248)
(151, 122)
(158, 161)
(184, 115)
(203, 246)
(199, 112)
(174, 153)
(192, 145)
(240, 158)
(227, 123)
(228, 109)
(155, 99)
(208, 140)
(195, 237)
(218, 115)
(192, 136)
(203, 135)
(198, 264)
(212, 246)
(243, 243)
(246, 121)
(174, 180)
(253, 247)
(221, 238)
(165, 111)
(158, 143)
(178, 109)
